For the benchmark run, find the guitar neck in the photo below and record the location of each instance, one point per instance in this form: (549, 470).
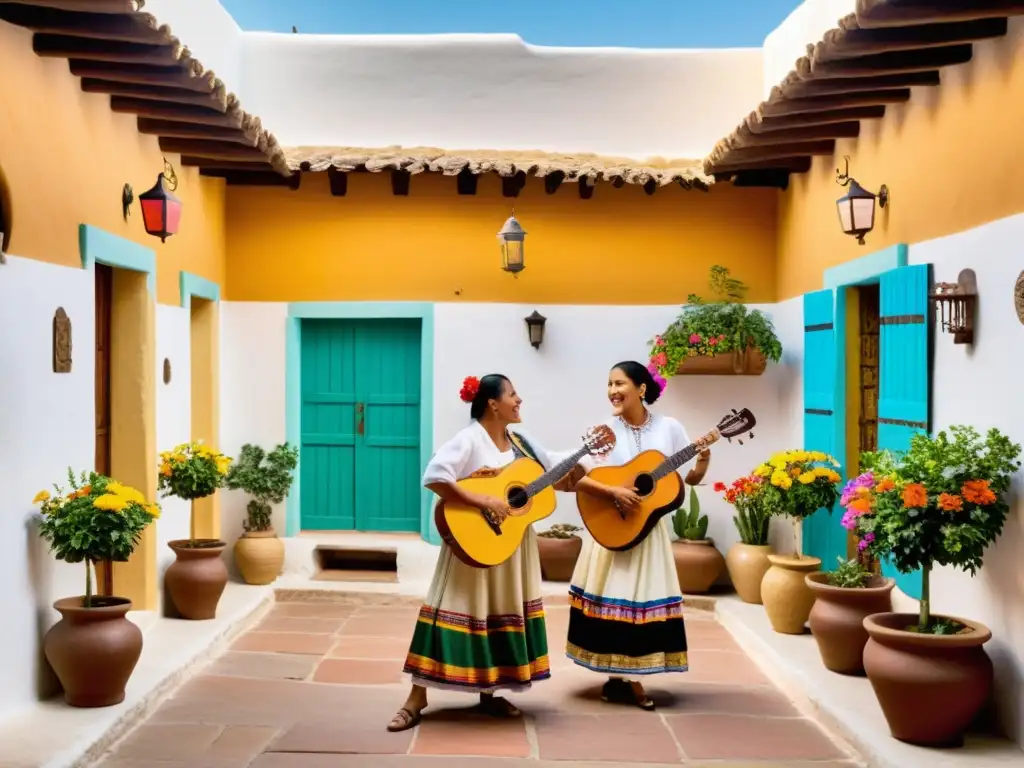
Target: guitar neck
(676, 460)
(555, 474)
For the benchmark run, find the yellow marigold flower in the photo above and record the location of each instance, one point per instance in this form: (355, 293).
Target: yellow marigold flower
(178, 458)
(807, 478)
(153, 510)
(40, 497)
(166, 470)
(110, 502)
(223, 464)
(778, 478)
(763, 471)
(128, 493)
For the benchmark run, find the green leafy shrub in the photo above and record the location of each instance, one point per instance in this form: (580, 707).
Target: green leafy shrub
(850, 574)
(266, 477)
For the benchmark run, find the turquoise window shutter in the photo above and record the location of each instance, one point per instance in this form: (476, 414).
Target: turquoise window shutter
(904, 373)
(823, 536)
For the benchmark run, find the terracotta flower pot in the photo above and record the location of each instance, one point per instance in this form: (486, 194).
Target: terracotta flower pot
(930, 687)
(747, 565)
(259, 556)
(93, 651)
(837, 619)
(787, 598)
(558, 557)
(196, 580)
(698, 565)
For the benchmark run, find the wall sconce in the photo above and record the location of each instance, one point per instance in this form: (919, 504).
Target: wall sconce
(857, 206)
(161, 210)
(535, 328)
(512, 239)
(127, 198)
(954, 306)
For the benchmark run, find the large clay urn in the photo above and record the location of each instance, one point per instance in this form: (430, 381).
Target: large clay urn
(93, 651)
(196, 580)
(698, 565)
(259, 556)
(930, 687)
(558, 556)
(747, 564)
(837, 619)
(787, 598)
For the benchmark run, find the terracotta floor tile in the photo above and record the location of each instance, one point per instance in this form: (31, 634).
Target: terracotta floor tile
(733, 667)
(312, 626)
(462, 733)
(640, 738)
(313, 610)
(367, 647)
(169, 742)
(393, 624)
(732, 737)
(284, 642)
(344, 735)
(708, 635)
(241, 742)
(358, 672)
(269, 666)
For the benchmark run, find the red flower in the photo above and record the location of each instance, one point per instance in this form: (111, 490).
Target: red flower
(470, 386)
(719, 487)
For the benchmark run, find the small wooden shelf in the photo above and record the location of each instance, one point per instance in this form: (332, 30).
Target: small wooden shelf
(749, 362)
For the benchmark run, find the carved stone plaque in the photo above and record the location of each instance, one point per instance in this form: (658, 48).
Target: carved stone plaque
(61, 341)
(167, 370)
(1018, 297)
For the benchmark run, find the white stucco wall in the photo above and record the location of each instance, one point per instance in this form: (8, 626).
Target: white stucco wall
(805, 25)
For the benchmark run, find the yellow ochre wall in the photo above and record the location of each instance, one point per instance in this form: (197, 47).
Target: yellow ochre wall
(953, 159)
(65, 157)
(620, 247)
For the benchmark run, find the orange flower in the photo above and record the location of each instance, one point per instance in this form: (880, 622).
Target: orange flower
(950, 502)
(915, 495)
(978, 492)
(861, 505)
(885, 485)
(795, 472)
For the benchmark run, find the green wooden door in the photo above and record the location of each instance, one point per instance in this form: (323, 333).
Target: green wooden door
(360, 425)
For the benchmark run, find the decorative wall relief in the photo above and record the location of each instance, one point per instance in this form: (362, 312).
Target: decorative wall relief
(1018, 297)
(167, 370)
(61, 341)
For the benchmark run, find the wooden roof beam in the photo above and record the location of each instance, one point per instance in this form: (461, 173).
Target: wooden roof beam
(225, 165)
(126, 28)
(171, 129)
(848, 43)
(153, 94)
(834, 103)
(892, 63)
(180, 112)
(834, 86)
(789, 164)
(254, 178)
(872, 14)
(174, 76)
(770, 123)
(86, 6)
(744, 137)
(213, 150)
(67, 47)
(745, 155)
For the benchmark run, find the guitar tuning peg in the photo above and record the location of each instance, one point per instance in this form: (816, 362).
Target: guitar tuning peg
(728, 439)
(739, 441)
(751, 435)
(735, 411)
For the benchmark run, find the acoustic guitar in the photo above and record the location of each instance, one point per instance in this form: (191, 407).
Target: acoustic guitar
(655, 480)
(479, 540)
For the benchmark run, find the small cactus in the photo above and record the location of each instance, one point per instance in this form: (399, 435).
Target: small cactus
(691, 525)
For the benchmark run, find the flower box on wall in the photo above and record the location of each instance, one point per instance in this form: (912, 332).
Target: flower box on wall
(748, 362)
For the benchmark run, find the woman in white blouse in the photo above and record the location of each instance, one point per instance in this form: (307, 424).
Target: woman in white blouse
(481, 629)
(626, 608)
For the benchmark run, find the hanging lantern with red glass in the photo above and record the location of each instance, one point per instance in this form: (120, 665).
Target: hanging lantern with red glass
(161, 210)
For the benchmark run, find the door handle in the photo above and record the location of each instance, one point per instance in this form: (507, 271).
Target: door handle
(360, 419)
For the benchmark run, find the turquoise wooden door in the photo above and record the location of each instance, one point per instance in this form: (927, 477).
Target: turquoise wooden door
(360, 383)
(904, 380)
(823, 536)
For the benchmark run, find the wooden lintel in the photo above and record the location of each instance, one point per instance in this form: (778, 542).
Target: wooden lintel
(833, 86)
(743, 156)
(466, 182)
(512, 185)
(832, 103)
(226, 165)
(788, 164)
(174, 76)
(744, 137)
(215, 150)
(152, 93)
(400, 183)
(338, 182)
(845, 44)
(650, 186)
(769, 124)
(66, 47)
(126, 28)
(172, 129)
(553, 181)
(899, 61)
(586, 188)
(182, 113)
(872, 14)
(88, 6)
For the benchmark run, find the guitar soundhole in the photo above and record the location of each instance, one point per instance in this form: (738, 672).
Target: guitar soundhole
(644, 484)
(517, 498)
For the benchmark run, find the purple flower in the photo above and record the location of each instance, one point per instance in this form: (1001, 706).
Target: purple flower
(849, 521)
(863, 543)
(854, 486)
(658, 378)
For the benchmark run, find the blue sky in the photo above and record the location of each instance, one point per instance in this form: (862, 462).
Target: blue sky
(626, 23)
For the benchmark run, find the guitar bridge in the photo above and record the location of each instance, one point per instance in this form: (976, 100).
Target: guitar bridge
(494, 524)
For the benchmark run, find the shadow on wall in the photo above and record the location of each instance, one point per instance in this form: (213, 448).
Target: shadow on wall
(40, 567)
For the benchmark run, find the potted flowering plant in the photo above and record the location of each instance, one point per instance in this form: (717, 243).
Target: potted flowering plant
(93, 649)
(747, 560)
(719, 337)
(196, 579)
(797, 484)
(941, 503)
(850, 593)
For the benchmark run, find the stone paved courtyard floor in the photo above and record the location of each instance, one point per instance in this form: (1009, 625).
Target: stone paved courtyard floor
(314, 684)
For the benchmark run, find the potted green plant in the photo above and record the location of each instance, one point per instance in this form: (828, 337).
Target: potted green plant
(196, 579)
(94, 648)
(266, 477)
(941, 503)
(559, 547)
(797, 485)
(720, 337)
(698, 562)
(747, 560)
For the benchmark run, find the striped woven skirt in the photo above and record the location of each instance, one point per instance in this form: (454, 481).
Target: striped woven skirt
(626, 609)
(482, 629)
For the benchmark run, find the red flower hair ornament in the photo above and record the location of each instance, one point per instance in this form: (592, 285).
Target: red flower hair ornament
(470, 386)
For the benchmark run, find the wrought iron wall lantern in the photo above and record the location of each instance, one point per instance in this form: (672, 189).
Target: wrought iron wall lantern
(512, 239)
(857, 207)
(955, 304)
(535, 328)
(161, 210)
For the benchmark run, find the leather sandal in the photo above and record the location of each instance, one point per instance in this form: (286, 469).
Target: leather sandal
(403, 720)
